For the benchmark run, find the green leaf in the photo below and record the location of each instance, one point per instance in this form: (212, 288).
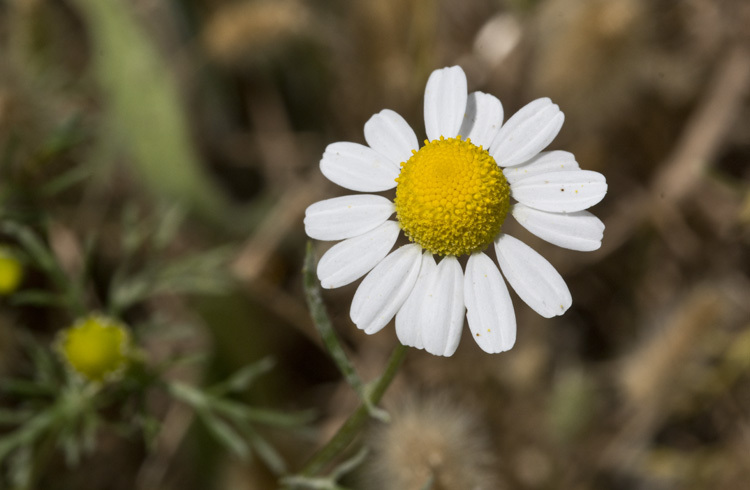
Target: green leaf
(266, 452)
(243, 412)
(204, 273)
(167, 229)
(243, 378)
(144, 108)
(328, 482)
(36, 297)
(46, 366)
(350, 464)
(134, 234)
(33, 246)
(25, 388)
(189, 395)
(28, 433)
(68, 179)
(125, 292)
(184, 360)
(43, 258)
(20, 468)
(225, 434)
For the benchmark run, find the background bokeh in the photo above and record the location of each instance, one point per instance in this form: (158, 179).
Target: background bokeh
(114, 114)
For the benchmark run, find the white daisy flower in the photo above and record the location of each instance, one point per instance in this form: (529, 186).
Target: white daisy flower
(452, 196)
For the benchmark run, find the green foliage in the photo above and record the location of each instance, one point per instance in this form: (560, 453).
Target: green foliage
(329, 482)
(55, 410)
(200, 273)
(68, 291)
(144, 107)
(231, 422)
(323, 324)
(61, 411)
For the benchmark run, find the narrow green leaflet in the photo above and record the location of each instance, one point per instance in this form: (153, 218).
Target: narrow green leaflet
(243, 378)
(224, 433)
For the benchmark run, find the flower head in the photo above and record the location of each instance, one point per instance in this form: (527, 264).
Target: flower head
(11, 271)
(432, 438)
(452, 197)
(96, 347)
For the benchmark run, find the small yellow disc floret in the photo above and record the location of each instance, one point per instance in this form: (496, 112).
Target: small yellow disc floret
(96, 347)
(11, 271)
(452, 197)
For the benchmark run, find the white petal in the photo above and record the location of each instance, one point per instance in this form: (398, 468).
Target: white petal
(408, 328)
(534, 279)
(484, 116)
(346, 216)
(561, 192)
(527, 132)
(577, 231)
(351, 259)
(442, 310)
(388, 133)
(492, 320)
(385, 289)
(445, 102)
(545, 162)
(358, 167)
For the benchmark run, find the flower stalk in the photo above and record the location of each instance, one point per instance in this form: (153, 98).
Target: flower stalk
(369, 394)
(331, 341)
(356, 421)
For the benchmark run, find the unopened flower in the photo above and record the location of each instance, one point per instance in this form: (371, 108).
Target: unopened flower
(452, 197)
(11, 271)
(96, 347)
(432, 442)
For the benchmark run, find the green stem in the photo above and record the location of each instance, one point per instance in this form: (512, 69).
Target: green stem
(354, 424)
(323, 324)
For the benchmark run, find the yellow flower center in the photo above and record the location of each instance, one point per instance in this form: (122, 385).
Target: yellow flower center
(452, 197)
(96, 347)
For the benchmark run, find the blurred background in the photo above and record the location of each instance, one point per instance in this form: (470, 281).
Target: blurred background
(164, 153)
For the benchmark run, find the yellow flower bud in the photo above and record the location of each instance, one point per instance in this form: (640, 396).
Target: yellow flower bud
(11, 271)
(96, 347)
